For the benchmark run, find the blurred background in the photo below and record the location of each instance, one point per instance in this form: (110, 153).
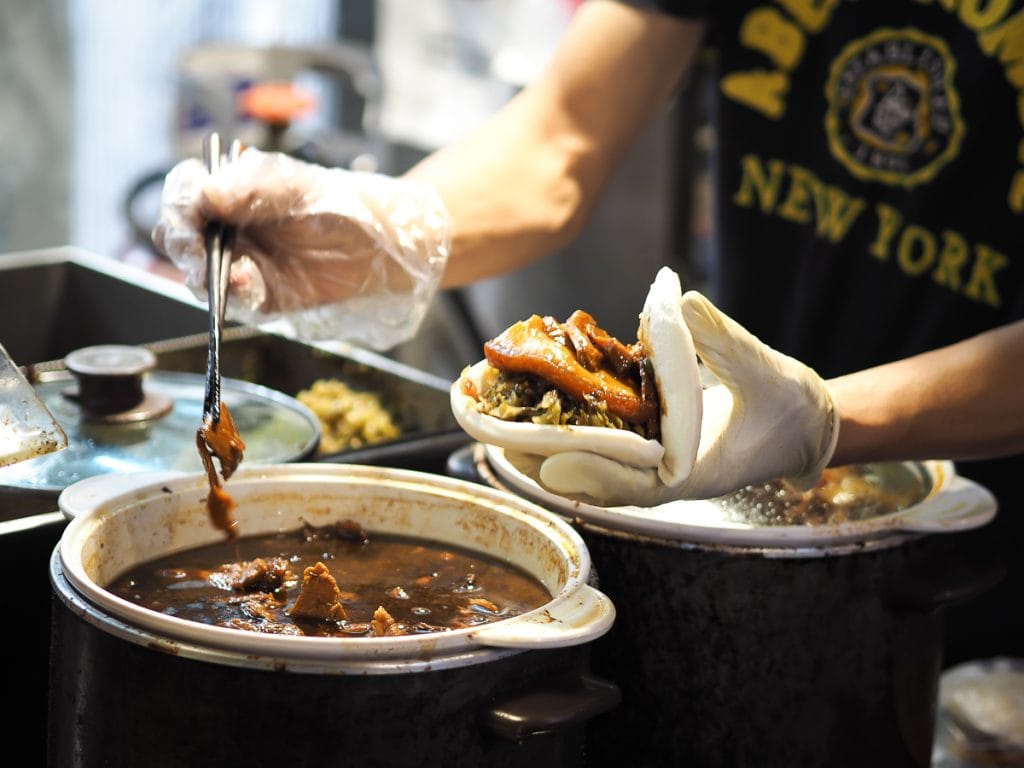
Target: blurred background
(101, 98)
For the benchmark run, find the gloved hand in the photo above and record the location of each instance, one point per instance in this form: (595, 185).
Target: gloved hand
(768, 417)
(319, 253)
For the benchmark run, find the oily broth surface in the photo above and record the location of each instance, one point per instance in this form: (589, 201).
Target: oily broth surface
(425, 587)
(842, 495)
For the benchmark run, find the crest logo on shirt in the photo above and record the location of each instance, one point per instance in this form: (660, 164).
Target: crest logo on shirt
(894, 114)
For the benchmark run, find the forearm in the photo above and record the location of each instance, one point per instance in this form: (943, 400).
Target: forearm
(524, 184)
(512, 192)
(961, 402)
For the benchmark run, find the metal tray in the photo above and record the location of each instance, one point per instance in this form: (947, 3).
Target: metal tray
(417, 401)
(57, 300)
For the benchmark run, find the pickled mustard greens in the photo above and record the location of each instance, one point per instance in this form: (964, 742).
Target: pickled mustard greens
(348, 418)
(521, 397)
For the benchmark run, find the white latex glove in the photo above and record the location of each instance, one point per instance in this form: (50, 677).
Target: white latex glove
(769, 417)
(321, 253)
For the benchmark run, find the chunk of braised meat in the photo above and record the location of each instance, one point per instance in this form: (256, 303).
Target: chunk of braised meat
(422, 628)
(596, 348)
(475, 611)
(625, 359)
(264, 627)
(370, 628)
(260, 612)
(221, 439)
(257, 575)
(356, 628)
(320, 598)
(483, 604)
(555, 330)
(345, 530)
(579, 328)
(383, 623)
(262, 606)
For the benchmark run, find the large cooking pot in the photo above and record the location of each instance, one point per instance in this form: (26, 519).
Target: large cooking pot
(771, 645)
(156, 690)
(120, 415)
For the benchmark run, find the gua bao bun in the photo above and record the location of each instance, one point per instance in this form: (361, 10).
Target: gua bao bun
(546, 387)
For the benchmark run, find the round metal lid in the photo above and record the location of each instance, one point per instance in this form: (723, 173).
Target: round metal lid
(159, 431)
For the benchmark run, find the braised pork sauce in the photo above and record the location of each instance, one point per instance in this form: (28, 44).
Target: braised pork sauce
(333, 581)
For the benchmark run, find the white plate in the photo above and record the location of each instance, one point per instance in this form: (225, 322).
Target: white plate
(953, 503)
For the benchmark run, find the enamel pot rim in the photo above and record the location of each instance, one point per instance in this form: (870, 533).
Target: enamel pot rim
(117, 521)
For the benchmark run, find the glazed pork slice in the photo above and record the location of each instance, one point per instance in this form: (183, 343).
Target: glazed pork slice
(580, 366)
(320, 598)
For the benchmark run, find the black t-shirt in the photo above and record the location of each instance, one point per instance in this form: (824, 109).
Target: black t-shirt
(870, 184)
(870, 181)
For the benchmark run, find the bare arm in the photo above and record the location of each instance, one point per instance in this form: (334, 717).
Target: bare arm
(523, 184)
(964, 401)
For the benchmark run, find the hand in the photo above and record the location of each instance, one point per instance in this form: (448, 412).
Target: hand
(768, 417)
(332, 252)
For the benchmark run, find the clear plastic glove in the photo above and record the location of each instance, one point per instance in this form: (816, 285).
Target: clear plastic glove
(320, 253)
(768, 417)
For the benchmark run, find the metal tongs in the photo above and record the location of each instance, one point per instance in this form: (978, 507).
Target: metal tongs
(219, 244)
(217, 435)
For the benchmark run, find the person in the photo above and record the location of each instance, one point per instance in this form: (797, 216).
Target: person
(869, 186)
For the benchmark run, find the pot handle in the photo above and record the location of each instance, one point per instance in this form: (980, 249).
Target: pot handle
(941, 580)
(579, 618)
(85, 495)
(552, 708)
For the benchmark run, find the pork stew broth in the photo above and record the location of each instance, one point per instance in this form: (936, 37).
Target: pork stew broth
(332, 581)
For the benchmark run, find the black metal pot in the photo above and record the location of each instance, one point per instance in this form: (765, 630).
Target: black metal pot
(118, 417)
(731, 654)
(130, 687)
(119, 697)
